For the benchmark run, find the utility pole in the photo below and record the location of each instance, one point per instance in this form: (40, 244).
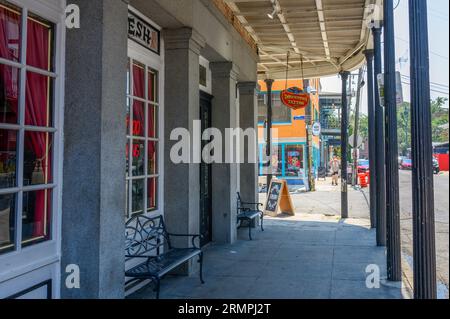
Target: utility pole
(356, 130)
(380, 182)
(269, 83)
(424, 241)
(372, 140)
(394, 265)
(344, 143)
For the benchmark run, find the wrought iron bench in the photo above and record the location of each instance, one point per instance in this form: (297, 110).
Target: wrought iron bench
(147, 239)
(248, 212)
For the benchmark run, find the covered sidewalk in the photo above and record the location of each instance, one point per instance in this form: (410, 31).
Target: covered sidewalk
(313, 255)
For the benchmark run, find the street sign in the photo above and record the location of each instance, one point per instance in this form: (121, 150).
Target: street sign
(316, 129)
(351, 141)
(398, 88)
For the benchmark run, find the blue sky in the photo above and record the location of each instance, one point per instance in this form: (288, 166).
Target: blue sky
(438, 24)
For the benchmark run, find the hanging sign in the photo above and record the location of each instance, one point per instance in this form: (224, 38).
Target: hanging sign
(398, 88)
(279, 199)
(316, 129)
(143, 33)
(295, 98)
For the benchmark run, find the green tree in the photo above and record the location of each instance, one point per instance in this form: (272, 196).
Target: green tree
(439, 117)
(404, 127)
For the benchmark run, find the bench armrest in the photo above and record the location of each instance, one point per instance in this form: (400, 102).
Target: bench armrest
(194, 237)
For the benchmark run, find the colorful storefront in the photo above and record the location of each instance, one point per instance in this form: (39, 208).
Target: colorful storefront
(289, 159)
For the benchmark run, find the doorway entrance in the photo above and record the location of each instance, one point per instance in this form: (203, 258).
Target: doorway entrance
(205, 175)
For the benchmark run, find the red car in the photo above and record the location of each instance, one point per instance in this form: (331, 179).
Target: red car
(406, 164)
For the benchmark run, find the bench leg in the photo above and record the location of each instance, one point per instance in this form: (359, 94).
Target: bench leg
(200, 260)
(262, 222)
(157, 286)
(250, 229)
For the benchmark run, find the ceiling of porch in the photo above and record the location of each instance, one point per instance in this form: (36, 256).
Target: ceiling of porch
(325, 36)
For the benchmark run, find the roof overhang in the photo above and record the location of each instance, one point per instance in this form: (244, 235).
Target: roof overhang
(325, 36)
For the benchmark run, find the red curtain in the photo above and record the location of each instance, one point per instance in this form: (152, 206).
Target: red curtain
(9, 49)
(37, 113)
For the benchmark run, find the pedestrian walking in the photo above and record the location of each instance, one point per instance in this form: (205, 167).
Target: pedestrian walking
(335, 166)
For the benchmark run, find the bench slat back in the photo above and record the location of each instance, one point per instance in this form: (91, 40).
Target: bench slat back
(144, 235)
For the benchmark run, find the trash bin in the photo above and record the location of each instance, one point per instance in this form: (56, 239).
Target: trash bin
(362, 180)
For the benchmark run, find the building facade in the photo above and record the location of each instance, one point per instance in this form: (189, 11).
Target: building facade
(289, 159)
(87, 117)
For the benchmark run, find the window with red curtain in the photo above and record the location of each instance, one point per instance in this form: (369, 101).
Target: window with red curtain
(141, 148)
(36, 127)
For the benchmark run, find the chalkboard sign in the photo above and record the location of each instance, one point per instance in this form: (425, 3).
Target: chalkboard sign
(279, 199)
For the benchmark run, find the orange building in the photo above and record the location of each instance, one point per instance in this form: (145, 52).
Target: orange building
(289, 159)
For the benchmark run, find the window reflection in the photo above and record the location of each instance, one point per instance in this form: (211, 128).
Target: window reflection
(36, 217)
(8, 158)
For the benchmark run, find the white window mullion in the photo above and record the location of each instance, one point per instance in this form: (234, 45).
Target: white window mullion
(21, 138)
(130, 142)
(146, 140)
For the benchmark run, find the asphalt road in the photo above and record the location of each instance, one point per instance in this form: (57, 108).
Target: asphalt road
(441, 203)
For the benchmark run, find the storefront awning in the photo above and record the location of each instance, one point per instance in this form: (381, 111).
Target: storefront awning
(329, 36)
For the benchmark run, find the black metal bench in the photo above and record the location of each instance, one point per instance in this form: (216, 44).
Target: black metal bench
(147, 239)
(248, 212)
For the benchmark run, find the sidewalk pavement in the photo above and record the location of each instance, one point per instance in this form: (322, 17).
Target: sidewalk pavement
(307, 256)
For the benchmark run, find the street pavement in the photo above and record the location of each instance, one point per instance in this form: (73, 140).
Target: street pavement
(441, 204)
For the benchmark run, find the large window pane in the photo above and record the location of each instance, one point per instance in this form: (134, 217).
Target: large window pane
(8, 158)
(36, 219)
(152, 86)
(138, 119)
(10, 31)
(138, 80)
(39, 43)
(294, 160)
(9, 94)
(152, 121)
(137, 202)
(280, 112)
(152, 158)
(37, 166)
(7, 222)
(38, 100)
(138, 158)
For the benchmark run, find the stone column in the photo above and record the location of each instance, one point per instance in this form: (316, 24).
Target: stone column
(93, 199)
(182, 99)
(225, 175)
(248, 119)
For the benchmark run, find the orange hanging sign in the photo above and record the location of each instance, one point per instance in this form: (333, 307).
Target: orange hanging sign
(295, 98)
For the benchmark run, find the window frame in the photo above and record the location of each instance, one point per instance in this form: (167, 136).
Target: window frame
(154, 62)
(24, 259)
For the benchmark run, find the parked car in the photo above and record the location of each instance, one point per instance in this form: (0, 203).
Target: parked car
(363, 166)
(436, 168)
(406, 164)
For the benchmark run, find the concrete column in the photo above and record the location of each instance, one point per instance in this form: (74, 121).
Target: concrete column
(182, 99)
(93, 199)
(225, 175)
(248, 119)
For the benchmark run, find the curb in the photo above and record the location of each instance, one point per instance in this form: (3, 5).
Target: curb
(407, 279)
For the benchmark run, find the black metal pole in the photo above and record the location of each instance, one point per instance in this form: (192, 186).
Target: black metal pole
(269, 83)
(394, 265)
(372, 140)
(344, 143)
(424, 242)
(380, 172)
